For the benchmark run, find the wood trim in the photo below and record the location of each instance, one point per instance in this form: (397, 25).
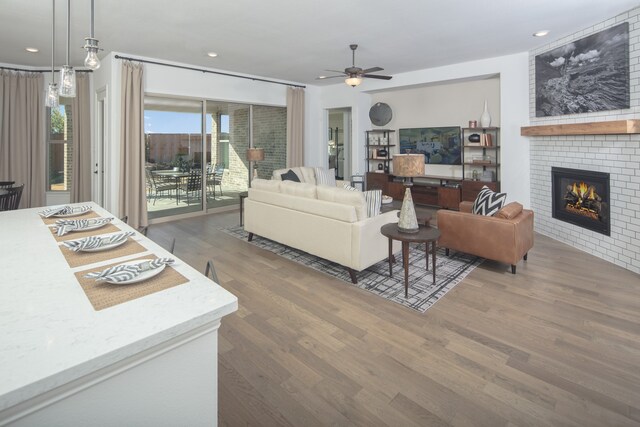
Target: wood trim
(615, 127)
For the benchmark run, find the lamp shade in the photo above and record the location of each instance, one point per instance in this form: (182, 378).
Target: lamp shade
(255, 154)
(353, 80)
(408, 165)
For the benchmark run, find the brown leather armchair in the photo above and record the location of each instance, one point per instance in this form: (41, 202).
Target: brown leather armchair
(505, 237)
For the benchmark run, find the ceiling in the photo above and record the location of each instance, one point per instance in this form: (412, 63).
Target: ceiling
(296, 40)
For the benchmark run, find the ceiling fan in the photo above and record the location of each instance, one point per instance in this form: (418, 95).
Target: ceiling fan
(356, 74)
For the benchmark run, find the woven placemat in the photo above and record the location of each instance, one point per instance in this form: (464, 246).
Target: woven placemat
(75, 259)
(104, 295)
(74, 235)
(88, 215)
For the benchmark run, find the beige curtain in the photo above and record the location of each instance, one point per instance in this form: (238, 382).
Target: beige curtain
(295, 126)
(133, 201)
(22, 144)
(81, 134)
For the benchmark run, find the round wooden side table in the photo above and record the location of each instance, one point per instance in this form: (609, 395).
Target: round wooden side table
(425, 234)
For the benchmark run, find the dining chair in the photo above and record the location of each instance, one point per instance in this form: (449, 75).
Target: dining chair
(10, 200)
(215, 179)
(193, 183)
(155, 188)
(210, 271)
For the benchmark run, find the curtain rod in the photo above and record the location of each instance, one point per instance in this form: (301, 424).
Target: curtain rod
(208, 71)
(39, 71)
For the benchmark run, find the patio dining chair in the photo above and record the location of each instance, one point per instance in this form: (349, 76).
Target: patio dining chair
(10, 200)
(214, 179)
(156, 188)
(193, 184)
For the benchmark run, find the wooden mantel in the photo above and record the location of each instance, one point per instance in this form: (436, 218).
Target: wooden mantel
(616, 127)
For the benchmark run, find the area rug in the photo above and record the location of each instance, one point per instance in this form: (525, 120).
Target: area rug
(422, 292)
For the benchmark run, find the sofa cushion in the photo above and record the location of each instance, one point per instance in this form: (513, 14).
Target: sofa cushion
(266, 184)
(509, 211)
(374, 202)
(325, 176)
(346, 197)
(299, 189)
(339, 212)
(488, 202)
(304, 173)
(290, 176)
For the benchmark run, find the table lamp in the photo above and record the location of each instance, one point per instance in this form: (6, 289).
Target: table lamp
(407, 166)
(254, 155)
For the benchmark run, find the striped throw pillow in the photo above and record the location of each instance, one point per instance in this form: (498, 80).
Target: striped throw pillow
(349, 187)
(325, 176)
(373, 198)
(488, 202)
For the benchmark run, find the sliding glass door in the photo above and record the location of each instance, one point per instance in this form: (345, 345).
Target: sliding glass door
(174, 156)
(228, 139)
(188, 174)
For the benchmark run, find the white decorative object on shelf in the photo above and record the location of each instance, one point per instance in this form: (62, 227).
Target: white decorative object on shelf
(485, 118)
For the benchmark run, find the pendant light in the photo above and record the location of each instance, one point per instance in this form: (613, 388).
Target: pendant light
(51, 98)
(91, 46)
(68, 74)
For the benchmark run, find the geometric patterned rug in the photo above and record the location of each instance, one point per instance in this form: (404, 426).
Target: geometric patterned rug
(422, 293)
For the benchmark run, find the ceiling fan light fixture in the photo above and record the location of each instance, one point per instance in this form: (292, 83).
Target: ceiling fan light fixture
(353, 81)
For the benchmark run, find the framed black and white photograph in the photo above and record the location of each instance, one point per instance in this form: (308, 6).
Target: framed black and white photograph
(587, 75)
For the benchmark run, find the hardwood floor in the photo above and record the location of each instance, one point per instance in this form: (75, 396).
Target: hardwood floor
(557, 344)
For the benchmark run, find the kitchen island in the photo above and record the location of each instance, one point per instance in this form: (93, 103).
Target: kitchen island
(151, 360)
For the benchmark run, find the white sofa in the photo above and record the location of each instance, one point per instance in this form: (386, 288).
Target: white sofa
(328, 222)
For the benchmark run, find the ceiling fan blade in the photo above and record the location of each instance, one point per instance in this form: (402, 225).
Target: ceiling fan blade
(375, 76)
(327, 77)
(372, 70)
(337, 71)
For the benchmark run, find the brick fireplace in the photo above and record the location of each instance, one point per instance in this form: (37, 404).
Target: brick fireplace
(617, 156)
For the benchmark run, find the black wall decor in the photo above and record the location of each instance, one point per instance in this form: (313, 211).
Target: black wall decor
(587, 75)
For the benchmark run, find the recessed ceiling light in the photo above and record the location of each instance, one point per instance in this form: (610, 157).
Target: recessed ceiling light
(32, 49)
(541, 33)
(212, 54)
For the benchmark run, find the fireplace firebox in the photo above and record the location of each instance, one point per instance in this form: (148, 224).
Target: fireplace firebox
(581, 197)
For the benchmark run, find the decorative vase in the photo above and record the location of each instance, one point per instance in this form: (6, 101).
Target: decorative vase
(485, 118)
(408, 222)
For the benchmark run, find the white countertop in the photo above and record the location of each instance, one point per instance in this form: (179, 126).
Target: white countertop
(50, 334)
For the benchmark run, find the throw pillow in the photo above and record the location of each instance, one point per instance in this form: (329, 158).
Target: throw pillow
(325, 176)
(348, 187)
(488, 202)
(373, 198)
(509, 211)
(290, 176)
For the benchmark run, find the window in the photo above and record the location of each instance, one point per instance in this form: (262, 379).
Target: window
(59, 147)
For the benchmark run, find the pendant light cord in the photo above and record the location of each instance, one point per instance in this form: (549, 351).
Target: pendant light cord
(53, 42)
(92, 15)
(68, 28)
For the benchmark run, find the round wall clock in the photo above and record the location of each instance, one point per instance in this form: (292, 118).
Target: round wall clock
(380, 114)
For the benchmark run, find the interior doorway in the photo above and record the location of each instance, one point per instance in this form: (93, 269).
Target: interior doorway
(339, 141)
(99, 155)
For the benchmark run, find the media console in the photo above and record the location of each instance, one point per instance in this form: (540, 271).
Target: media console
(433, 190)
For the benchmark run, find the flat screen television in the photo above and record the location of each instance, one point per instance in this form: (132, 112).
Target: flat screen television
(441, 145)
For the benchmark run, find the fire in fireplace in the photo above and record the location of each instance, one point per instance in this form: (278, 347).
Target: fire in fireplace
(582, 198)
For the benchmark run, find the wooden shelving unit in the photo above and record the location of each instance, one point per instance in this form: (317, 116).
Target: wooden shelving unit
(376, 140)
(489, 159)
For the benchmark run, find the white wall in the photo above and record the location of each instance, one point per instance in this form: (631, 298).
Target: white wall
(444, 104)
(514, 110)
